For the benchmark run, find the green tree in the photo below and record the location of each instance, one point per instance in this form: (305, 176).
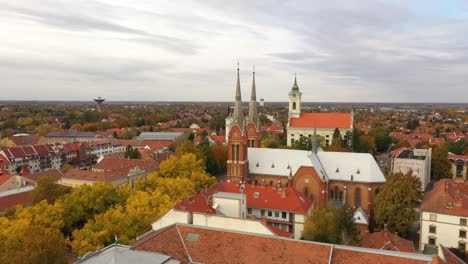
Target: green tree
(264, 121)
(132, 153)
(395, 203)
(271, 141)
(382, 138)
(456, 147)
(367, 145)
(48, 190)
(331, 225)
(440, 164)
(355, 146)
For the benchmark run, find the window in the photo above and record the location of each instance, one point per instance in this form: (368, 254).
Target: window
(284, 215)
(237, 152)
(249, 211)
(463, 221)
(432, 229)
(270, 214)
(262, 212)
(357, 197)
(462, 246)
(276, 214)
(294, 105)
(433, 217)
(460, 164)
(462, 234)
(432, 241)
(292, 140)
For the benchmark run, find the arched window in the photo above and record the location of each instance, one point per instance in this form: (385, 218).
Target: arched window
(377, 191)
(237, 152)
(306, 192)
(336, 193)
(332, 195)
(357, 197)
(294, 105)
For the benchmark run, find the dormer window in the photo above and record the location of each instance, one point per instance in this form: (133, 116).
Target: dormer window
(289, 167)
(337, 170)
(358, 172)
(257, 164)
(272, 165)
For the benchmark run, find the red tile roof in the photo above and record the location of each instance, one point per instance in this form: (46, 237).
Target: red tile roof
(41, 150)
(268, 197)
(457, 157)
(52, 173)
(4, 160)
(322, 120)
(447, 197)
(71, 147)
(192, 244)
(4, 177)
(157, 144)
(110, 164)
(279, 232)
(387, 240)
(12, 200)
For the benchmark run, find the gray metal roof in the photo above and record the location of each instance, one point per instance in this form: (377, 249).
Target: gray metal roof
(159, 136)
(119, 254)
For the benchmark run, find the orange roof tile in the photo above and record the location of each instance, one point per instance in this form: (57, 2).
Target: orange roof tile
(322, 120)
(193, 244)
(11, 201)
(447, 197)
(387, 240)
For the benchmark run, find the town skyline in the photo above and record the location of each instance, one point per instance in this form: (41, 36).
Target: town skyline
(154, 51)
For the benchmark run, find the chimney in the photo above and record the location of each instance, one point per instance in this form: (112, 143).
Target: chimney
(263, 220)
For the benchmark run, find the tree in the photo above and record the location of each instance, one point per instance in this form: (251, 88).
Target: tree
(132, 153)
(177, 188)
(264, 121)
(86, 201)
(217, 122)
(403, 144)
(382, 138)
(355, 142)
(394, 205)
(21, 242)
(212, 164)
(48, 190)
(189, 167)
(412, 124)
(221, 154)
(270, 141)
(331, 225)
(367, 145)
(304, 143)
(127, 222)
(440, 164)
(457, 147)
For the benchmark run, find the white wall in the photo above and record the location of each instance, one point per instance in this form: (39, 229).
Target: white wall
(229, 207)
(236, 224)
(447, 230)
(418, 168)
(171, 217)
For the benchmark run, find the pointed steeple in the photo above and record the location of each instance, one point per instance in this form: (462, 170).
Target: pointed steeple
(295, 86)
(253, 101)
(238, 115)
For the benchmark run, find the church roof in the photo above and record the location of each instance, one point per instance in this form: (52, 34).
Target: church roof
(341, 165)
(322, 120)
(333, 165)
(281, 162)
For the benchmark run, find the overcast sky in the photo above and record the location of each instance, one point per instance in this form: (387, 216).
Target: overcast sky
(177, 50)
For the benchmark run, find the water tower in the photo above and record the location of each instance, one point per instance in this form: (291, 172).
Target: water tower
(99, 101)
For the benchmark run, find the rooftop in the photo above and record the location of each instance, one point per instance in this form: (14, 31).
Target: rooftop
(387, 240)
(191, 244)
(322, 120)
(118, 254)
(172, 136)
(449, 196)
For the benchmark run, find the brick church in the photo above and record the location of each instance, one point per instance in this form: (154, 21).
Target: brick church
(343, 178)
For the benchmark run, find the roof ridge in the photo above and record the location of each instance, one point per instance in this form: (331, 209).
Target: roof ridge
(183, 243)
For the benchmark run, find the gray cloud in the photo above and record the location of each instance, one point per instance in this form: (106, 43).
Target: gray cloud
(342, 50)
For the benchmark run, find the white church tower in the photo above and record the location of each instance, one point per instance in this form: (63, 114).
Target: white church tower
(294, 101)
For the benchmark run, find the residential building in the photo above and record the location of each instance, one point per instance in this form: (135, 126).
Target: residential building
(20, 196)
(459, 165)
(414, 161)
(281, 211)
(444, 216)
(111, 170)
(19, 140)
(70, 135)
(303, 124)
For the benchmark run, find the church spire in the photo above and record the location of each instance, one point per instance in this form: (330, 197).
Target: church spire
(253, 101)
(238, 115)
